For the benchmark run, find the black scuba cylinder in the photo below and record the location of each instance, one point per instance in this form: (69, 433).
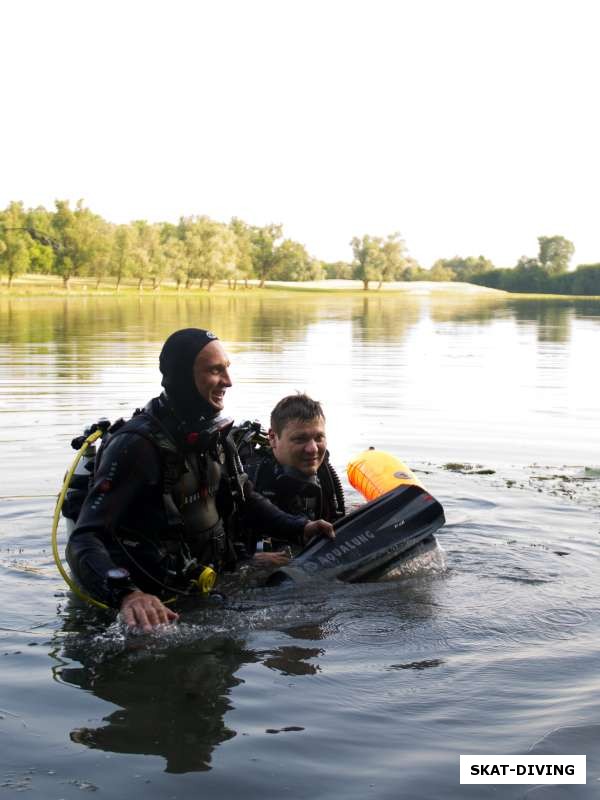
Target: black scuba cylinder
(83, 474)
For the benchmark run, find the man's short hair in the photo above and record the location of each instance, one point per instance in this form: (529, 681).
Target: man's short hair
(295, 407)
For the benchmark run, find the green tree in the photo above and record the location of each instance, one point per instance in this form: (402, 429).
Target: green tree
(42, 249)
(265, 243)
(141, 251)
(369, 260)
(148, 259)
(159, 262)
(218, 253)
(527, 276)
(340, 270)
(494, 279)
(174, 249)
(413, 271)
(440, 272)
(463, 269)
(526, 263)
(586, 279)
(122, 261)
(192, 249)
(243, 251)
(99, 265)
(15, 242)
(77, 244)
(393, 251)
(293, 263)
(209, 248)
(554, 254)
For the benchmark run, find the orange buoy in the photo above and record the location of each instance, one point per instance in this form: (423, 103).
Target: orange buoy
(374, 472)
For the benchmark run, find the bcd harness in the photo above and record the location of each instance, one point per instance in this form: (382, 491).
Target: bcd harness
(196, 537)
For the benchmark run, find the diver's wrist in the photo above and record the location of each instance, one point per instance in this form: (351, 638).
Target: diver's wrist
(119, 585)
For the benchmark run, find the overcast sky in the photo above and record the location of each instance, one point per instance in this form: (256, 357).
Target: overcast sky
(471, 127)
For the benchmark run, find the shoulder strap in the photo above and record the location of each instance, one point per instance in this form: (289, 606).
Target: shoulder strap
(145, 424)
(235, 471)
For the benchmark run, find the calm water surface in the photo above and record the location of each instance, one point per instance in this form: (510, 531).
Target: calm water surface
(487, 646)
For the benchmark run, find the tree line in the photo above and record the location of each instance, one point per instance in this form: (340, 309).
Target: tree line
(547, 273)
(199, 251)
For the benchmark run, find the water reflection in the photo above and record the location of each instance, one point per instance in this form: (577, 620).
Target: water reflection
(172, 697)
(78, 321)
(469, 309)
(76, 324)
(375, 319)
(407, 373)
(171, 704)
(552, 320)
(294, 660)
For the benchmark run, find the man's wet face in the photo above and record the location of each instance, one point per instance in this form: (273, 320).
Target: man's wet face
(211, 374)
(300, 445)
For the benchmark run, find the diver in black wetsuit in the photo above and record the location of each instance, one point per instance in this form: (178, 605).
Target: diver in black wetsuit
(290, 465)
(167, 490)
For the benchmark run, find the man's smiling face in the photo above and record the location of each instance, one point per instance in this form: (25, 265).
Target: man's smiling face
(211, 374)
(301, 445)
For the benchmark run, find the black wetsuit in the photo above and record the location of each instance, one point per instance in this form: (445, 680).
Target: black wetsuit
(319, 496)
(163, 510)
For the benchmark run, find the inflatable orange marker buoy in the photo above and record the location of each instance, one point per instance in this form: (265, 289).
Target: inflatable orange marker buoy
(373, 473)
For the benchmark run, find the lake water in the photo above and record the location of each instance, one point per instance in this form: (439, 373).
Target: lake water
(330, 691)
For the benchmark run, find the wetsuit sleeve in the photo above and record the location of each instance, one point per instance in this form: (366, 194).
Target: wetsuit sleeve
(265, 517)
(128, 466)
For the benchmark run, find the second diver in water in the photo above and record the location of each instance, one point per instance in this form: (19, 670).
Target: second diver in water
(290, 464)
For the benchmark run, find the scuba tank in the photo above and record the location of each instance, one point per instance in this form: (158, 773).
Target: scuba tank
(76, 485)
(81, 477)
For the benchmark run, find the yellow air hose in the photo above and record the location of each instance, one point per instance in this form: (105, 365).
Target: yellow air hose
(59, 504)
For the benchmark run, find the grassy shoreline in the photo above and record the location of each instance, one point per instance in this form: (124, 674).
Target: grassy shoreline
(37, 286)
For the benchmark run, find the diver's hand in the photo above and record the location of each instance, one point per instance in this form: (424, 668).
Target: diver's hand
(318, 527)
(276, 559)
(145, 611)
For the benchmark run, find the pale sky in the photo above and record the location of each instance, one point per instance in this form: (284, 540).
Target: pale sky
(470, 126)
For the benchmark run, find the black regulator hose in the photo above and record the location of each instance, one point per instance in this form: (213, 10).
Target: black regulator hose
(338, 489)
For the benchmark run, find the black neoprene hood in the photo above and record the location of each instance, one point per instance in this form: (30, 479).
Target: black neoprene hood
(176, 363)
